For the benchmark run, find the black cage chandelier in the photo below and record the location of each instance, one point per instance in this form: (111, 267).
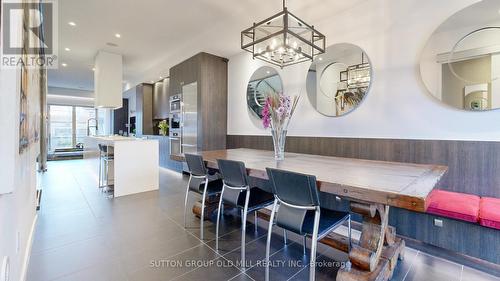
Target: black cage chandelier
(283, 39)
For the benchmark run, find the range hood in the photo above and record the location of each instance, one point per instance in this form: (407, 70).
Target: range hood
(108, 77)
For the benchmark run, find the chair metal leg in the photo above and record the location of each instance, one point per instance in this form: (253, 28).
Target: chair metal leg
(268, 243)
(106, 173)
(255, 220)
(314, 244)
(218, 221)
(304, 243)
(349, 233)
(285, 237)
(100, 171)
(186, 200)
(244, 228)
(349, 244)
(203, 209)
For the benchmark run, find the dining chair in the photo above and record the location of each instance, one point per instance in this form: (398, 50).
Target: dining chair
(201, 182)
(299, 211)
(236, 192)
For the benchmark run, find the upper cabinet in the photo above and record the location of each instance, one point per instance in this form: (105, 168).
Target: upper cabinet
(160, 100)
(140, 108)
(184, 73)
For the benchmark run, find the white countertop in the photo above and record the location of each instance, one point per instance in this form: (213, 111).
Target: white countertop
(118, 138)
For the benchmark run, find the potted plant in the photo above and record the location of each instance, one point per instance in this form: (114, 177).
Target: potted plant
(163, 126)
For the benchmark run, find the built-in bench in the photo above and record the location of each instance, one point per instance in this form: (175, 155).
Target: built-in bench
(459, 222)
(489, 212)
(466, 207)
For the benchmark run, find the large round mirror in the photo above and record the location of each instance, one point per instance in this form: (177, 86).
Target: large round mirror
(338, 80)
(460, 65)
(264, 81)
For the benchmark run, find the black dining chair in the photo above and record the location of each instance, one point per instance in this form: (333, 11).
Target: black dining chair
(201, 182)
(299, 211)
(237, 193)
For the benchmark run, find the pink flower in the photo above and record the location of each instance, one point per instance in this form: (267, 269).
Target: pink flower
(266, 117)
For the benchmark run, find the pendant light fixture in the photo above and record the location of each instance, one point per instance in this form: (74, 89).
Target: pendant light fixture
(283, 39)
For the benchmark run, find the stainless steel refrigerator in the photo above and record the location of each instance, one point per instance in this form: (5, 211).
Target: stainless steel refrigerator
(189, 124)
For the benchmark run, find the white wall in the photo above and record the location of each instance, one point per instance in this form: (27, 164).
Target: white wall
(393, 34)
(17, 176)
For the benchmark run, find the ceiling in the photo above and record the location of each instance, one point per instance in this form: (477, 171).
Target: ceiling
(158, 34)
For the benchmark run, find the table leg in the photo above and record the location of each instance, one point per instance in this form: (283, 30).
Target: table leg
(376, 254)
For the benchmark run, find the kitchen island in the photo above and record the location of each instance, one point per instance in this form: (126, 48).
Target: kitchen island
(135, 167)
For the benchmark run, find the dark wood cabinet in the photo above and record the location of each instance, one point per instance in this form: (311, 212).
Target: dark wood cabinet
(140, 102)
(210, 73)
(160, 100)
(120, 118)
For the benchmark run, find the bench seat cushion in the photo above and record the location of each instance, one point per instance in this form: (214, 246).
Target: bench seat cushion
(454, 205)
(489, 212)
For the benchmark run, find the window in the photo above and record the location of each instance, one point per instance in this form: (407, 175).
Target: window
(68, 125)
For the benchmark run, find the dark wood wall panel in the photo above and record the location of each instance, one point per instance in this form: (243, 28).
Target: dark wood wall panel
(473, 165)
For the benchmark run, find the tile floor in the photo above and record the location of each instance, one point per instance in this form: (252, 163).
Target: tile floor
(81, 235)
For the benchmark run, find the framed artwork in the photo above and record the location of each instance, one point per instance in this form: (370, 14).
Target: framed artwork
(23, 111)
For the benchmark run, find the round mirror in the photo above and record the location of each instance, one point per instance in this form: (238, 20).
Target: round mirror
(338, 80)
(460, 65)
(264, 81)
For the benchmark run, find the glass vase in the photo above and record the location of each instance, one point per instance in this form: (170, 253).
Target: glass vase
(279, 138)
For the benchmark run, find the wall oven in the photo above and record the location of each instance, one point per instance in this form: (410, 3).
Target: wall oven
(175, 132)
(175, 103)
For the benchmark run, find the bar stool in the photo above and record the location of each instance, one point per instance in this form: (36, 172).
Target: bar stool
(200, 182)
(106, 156)
(237, 193)
(299, 211)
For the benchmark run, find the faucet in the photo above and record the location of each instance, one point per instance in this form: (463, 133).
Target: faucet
(94, 126)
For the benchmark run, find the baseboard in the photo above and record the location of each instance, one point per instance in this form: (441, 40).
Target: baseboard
(27, 253)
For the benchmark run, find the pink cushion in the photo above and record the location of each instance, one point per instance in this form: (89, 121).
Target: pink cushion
(489, 212)
(454, 205)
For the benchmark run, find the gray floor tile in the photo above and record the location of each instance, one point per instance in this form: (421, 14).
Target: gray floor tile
(106, 271)
(219, 270)
(175, 266)
(470, 274)
(404, 265)
(51, 264)
(82, 235)
(426, 267)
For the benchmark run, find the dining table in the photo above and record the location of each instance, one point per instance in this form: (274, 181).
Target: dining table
(371, 188)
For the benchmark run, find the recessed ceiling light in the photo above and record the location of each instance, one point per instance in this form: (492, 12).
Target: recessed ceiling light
(118, 35)
(320, 58)
(67, 49)
(72, 23)
(93, 68)
(268, 72)
(64, 64)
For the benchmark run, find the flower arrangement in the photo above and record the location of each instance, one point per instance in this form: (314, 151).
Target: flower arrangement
(163, 126)
(277, 113)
